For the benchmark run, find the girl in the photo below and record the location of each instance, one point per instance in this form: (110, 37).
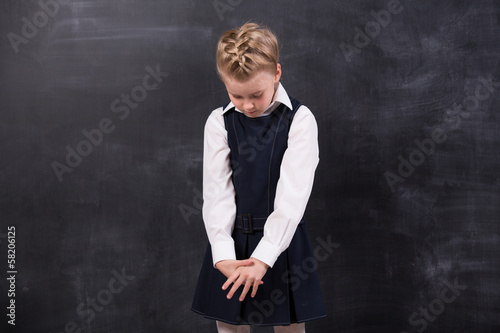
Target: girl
(260, 155)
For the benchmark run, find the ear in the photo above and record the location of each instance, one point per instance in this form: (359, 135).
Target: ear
(277, 76)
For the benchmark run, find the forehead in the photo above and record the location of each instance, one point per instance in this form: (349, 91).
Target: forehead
(256, 83)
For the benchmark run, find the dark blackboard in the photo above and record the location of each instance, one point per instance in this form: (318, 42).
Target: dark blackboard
(102, 108)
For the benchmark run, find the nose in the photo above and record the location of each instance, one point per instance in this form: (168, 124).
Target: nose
(248, 105)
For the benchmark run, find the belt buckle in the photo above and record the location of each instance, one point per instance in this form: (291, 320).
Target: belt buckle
(248, 217)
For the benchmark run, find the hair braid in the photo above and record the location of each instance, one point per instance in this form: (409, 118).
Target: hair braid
(244, 51)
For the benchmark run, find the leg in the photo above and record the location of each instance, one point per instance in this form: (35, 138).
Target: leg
(294, 328)
(228, 328)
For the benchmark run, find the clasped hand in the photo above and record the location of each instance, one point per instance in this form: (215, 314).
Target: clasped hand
(248, 273)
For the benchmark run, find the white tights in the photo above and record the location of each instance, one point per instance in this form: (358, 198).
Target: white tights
(228, 328)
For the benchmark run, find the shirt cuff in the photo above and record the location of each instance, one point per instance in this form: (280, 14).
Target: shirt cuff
(266, 252)
(223, 251)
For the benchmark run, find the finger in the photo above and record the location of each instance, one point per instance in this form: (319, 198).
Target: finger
(235, 287)
(230, 280)
(245, 290)
(246, 262)
(255, 287)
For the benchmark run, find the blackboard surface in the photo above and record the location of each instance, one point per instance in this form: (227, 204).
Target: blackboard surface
(102, 110)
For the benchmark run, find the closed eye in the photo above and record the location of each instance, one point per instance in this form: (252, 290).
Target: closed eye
(256, 96)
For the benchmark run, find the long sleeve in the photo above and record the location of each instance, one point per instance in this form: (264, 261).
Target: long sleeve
(219, 207)
(294, 187)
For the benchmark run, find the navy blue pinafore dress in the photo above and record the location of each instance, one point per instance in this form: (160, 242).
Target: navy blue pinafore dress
(289, 293)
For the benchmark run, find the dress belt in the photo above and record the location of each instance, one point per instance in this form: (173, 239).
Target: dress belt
(248, 224)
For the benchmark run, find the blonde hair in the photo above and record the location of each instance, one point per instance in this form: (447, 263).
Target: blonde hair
(247, 50)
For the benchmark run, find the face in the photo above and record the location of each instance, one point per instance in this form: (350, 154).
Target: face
(253, 96)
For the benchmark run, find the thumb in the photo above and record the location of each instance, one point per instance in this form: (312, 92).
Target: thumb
(246, 262)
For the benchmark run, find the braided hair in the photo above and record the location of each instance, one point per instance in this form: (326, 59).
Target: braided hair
(245, 51)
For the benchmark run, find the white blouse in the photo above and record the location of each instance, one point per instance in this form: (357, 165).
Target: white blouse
(292, 192)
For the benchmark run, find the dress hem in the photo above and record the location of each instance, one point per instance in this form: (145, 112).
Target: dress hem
(260, 325)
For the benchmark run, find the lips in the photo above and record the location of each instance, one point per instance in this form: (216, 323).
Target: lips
(251, 112)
